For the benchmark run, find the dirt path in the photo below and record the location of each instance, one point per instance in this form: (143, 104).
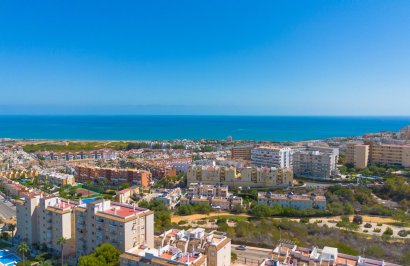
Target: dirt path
(177, 218)
(366, 218)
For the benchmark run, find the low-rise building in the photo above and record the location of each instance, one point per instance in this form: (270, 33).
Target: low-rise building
(113, 175)
(124, 195)
(215, 195)
(183, 247)
(58, 179)
(300, 202)
(289, 255)
(171, 197)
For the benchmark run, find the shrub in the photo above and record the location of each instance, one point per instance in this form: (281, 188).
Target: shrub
(368, 225)
(182, 222)
(358, 219)
(365, 231)
(388, 231)
(402, 233)
(304, 220)
(377, 230)
(379, 224)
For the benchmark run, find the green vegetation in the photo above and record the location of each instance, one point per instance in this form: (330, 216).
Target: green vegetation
(388, 231)
(106, 254)
(187, 209)
(76, 146)
(23, 250)
(266, 233)
(170, 182)
(259, 210)
(344, 201)
(396, 189)
(371, 170)
(345, 223)
(161, 214)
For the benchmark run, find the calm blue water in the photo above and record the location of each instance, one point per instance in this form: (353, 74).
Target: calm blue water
(276, 128)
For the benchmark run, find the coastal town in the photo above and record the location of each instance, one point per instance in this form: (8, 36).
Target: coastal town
(336, 201)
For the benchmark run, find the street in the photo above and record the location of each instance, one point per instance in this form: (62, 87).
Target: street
(251, 254)
(7, 209)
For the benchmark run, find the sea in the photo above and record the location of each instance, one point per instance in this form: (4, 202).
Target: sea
(169, 127)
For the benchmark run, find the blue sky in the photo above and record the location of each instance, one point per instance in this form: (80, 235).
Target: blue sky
(205, 57)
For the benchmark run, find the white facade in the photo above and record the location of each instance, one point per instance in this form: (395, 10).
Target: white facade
(279, 157)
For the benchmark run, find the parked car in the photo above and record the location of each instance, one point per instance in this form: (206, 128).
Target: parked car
(241, 247)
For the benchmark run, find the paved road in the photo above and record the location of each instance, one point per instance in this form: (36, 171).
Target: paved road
(7, 209)
(252, 253)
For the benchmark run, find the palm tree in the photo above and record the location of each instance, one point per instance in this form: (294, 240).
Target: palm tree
(45, 263)
(62, 242)
(23, 249)
(12, 227)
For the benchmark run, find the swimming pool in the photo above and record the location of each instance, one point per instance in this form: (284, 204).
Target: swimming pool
(88, 200)
(7, 258)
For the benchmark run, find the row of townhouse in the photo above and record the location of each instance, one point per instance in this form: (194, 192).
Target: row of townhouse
(300, 202)
(215, 195)
(12, 174)
(55, 178)
(43, 220)
(139, 177)
(244, 177)
(360, 154)
(182, 247)
(290, 255)
(13, 188)
(69, 156)
(158, 168)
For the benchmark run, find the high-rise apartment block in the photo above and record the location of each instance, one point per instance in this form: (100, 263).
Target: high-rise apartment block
(122, 225)
(271, 156)
(244, 177)
(405, 133)
(241, 152)
(357, 154)
(392, 154)
(314, 164)
(44, 220)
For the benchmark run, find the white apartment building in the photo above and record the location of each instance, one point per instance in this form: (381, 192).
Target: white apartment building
(300, 202)
(271, 156)
(314, 164)
(244, 177)
(179, 247)
(122, 225)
